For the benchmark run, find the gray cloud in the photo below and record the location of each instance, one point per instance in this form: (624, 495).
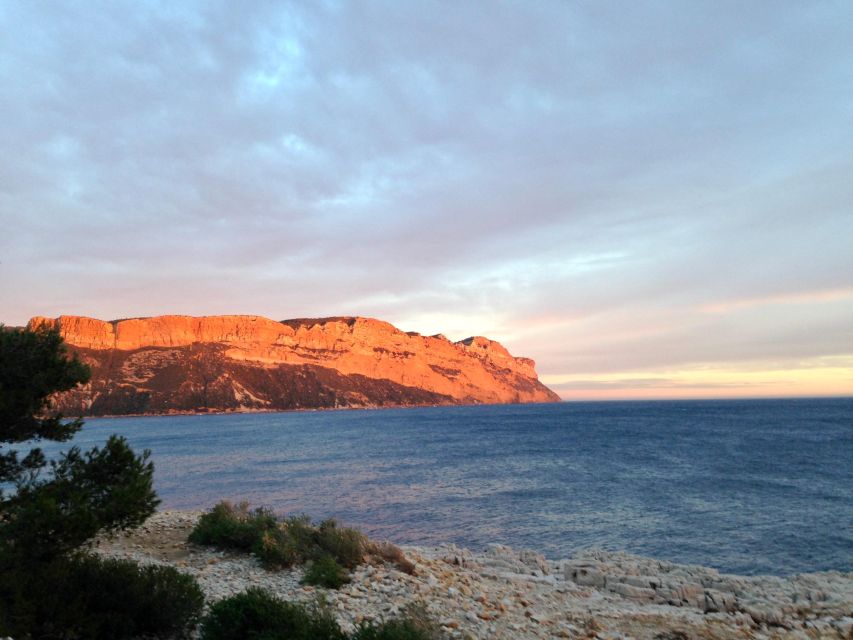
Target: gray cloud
(541, 170)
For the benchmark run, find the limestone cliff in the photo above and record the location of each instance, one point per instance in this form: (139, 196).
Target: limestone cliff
(221, 363)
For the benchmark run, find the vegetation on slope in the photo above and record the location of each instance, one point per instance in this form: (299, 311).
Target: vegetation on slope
(260, 615)
(49, 586)
(329, 550)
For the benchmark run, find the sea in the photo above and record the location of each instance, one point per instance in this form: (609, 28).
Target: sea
(745, 486)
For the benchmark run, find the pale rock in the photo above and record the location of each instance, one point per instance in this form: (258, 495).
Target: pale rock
(693, 594)
(629, 591)
(586, 576)
(646, 582)
(719, 601)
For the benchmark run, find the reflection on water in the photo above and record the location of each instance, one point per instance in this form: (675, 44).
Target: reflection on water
(747, 486)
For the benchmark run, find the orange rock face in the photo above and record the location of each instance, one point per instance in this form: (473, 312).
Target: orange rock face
(475, 370)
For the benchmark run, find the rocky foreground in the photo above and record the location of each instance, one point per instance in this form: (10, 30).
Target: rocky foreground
(505, 593)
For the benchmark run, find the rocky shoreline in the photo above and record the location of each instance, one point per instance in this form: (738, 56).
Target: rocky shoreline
(504, 593)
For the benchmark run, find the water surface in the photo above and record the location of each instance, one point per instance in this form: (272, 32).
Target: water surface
(745, 486)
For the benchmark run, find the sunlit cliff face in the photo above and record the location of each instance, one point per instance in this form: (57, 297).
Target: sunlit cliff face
(251, 361)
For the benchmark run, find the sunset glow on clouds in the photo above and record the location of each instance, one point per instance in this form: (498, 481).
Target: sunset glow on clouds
(649, 199)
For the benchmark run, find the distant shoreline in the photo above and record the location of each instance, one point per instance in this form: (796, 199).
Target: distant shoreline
(439, 406)
(309, 410)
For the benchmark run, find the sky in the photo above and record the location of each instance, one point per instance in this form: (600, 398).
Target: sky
(650, 199)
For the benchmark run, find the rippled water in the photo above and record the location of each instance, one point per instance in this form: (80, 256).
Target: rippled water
(745, 486)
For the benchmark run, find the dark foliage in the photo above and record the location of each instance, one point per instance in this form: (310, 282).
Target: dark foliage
(278, 550)
(47, 590)
(231, 526)
(258, 615)
(347, 546)
(102, 490)
(278, 545)
(324, 571)
(33, 365)
(300, 530)
(414, 624)
(83, 596)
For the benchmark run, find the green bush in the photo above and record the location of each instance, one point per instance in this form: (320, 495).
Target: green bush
(278, 545)
(171, 601)
(347, 546)
(414, 624)
(85, 596)
(257, 615)
(233, 526)
(277, 550)
(324, 571)
(300, 530)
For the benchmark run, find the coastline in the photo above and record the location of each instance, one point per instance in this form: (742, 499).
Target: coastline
(383, 407)
(249, 411)
(505, 593)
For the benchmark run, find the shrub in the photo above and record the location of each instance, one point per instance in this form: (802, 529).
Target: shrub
(57, 505)
(278, 544)
(47, 588)
(258, 615)
(300, 530)
(233, 526)
(102, 599)
(324, 571)
(393, 554)
(414, 624)
(276, 550)
(347, 546)
(170, 602)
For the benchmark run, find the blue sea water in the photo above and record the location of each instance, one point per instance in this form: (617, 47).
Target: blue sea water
(757, 486)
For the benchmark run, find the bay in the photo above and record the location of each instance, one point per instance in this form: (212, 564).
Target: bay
(746, 486)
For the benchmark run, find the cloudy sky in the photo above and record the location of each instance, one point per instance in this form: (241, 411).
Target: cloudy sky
(651, 199)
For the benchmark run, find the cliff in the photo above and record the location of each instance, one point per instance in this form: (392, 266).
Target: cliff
(220, 363)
